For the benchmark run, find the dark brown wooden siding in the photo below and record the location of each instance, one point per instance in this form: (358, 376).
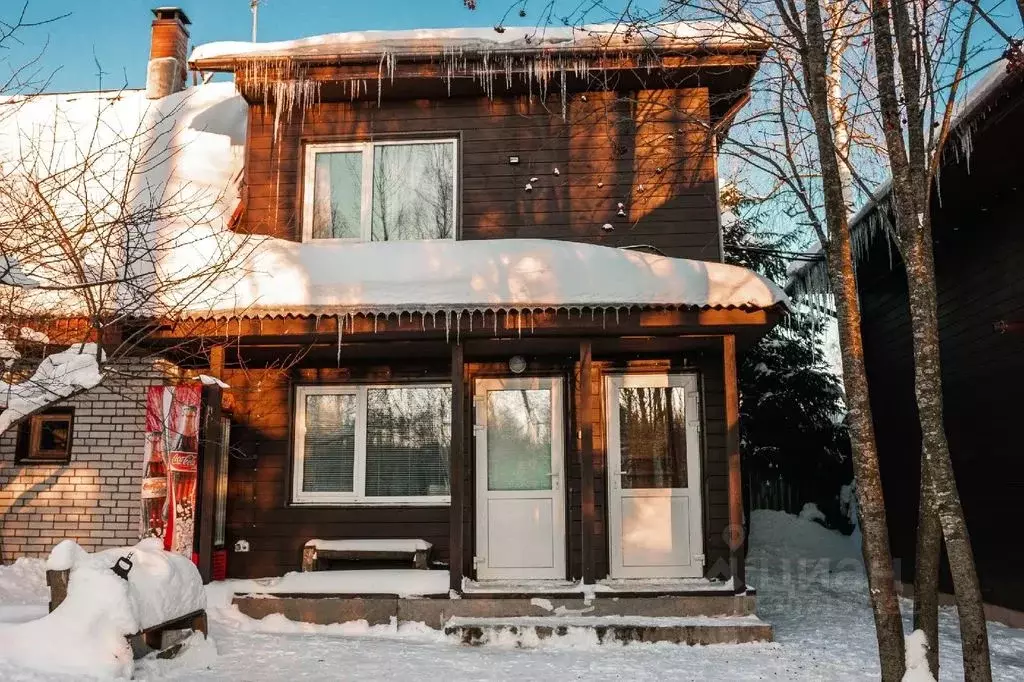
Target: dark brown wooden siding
(979, 249)
(648, 150)
(260, 470)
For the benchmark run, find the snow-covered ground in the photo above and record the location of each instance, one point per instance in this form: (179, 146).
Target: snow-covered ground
(811, 588)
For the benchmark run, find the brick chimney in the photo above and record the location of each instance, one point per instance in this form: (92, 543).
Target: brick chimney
(167, 53)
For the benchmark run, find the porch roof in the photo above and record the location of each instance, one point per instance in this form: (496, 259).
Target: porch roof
(450, 278)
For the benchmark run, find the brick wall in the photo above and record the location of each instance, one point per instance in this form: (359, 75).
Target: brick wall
(94, 499)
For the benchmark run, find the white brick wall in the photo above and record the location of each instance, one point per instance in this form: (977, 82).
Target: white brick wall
(94, 499)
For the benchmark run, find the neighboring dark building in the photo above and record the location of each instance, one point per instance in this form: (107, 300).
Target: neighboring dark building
(978, 211)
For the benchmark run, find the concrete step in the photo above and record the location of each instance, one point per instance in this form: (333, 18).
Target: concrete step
(527, 631)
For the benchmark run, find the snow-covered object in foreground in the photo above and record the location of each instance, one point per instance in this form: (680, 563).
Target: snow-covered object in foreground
(57, 376)
(447, 276)
(467, 41)
(162, 585)
(87, 634)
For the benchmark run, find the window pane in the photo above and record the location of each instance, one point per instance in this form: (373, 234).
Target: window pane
(330, 443)
(652, 425)
(519, 440)
(53, 435)
(408, 438)
(337, 189)
(413, 191)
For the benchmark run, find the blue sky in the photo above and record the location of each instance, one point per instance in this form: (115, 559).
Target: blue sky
(117, 31)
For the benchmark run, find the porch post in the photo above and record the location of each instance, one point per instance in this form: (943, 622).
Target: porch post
(585, 423)
(732, 448)
(457, 463)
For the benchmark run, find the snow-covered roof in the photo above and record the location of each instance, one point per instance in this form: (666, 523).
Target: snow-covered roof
(192, 156)
(876, 216)
(447, 276)
(358, 45)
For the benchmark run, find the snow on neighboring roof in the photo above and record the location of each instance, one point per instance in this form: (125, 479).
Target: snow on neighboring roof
(150, 175)
(446, 276)
(808, 277)
(463, 41)
(57, 376)
(12, 274)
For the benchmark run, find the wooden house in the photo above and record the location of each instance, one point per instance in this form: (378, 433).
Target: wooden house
(487, 316)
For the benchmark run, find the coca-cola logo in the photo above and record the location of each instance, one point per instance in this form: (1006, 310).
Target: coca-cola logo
(185, 461)
(154, 487)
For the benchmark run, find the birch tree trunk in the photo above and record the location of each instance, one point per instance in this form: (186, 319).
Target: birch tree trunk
(839, 254)
(914, 164)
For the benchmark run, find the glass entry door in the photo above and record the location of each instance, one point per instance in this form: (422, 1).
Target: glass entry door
(520, 524)
(654, 485)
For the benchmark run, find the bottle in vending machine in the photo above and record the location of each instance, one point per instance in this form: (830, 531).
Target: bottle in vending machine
(183, 466)
(154, 486)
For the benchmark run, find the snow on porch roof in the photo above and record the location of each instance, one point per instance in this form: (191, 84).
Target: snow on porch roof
(426, 43)
(452, 277)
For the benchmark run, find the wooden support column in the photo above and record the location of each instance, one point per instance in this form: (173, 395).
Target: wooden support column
(732, 445)
(585, 424)
(457, 464)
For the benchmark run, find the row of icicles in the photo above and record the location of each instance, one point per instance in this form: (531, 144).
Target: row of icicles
(288, 84)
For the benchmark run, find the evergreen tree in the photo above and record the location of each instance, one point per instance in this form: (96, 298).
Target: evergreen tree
(791, 403)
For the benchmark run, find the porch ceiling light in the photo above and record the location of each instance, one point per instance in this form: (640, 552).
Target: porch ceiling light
(517, 364)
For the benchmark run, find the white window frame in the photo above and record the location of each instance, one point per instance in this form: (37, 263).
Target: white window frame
(357, 496)
(366, 196)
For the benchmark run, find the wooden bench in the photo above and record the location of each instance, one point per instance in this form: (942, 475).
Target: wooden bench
(149, 639)
(415, 551)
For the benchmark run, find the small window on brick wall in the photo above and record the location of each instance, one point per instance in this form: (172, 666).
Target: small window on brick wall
(45, 438)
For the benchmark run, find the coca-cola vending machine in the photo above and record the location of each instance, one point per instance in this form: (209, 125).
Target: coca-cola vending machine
(185, 469)
(171, 453)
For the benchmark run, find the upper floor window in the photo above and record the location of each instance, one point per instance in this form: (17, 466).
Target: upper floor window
(380, 191)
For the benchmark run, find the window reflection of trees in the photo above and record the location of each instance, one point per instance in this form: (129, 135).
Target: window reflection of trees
(413, 191)
(408, 441)
(330, 443)
(519, 439)
(652, 432)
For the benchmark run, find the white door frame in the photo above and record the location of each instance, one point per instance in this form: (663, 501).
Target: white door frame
(556, 493)
(691, 386)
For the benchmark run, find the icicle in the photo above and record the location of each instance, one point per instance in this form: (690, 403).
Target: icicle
(341, 326)
(604, 318)
(519, 322)
(495, 322)
(447, 326)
